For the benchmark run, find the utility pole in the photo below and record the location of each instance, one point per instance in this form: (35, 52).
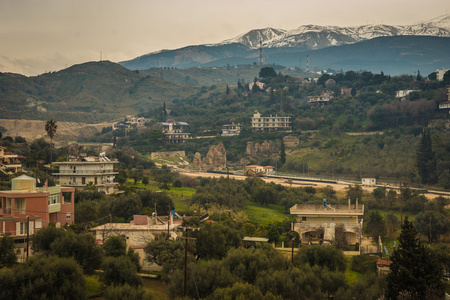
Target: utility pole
(28, 236)
(185, 256)
(229, 205)
(168, 224)
(401, 203)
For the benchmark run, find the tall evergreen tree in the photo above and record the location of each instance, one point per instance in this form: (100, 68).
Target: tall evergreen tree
(415, 272)
(425, 158)
(282, 152)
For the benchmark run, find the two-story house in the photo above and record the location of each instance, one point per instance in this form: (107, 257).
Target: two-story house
(317, 222)
(25, 209)
(231, 129)
(174, 132)
(270, 123)
(78, 172)
(10, 162)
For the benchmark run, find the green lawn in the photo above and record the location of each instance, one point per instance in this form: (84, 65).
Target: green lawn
(351, 276)
(93, 286)
(263, 214)
(157, 288)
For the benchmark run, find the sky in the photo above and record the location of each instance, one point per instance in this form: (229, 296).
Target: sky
(38, 36)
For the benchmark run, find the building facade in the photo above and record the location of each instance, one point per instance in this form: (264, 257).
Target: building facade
(318, 222)
(270, 123)
(174, 132)
(231, 129)
(26, 209)
(138, 233)
(78, 172)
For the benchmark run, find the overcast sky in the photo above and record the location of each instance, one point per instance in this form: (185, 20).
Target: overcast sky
(38, 36)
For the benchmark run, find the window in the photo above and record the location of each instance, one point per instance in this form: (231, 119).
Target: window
(53, 199)
(20, 205)
(68, 216)
(304, 219)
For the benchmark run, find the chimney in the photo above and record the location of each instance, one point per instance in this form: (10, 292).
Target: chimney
(356, 206)
(45, 186)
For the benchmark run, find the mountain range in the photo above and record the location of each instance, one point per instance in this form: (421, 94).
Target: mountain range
(303, 47)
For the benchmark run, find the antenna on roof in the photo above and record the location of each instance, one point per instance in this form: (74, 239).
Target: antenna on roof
(261, 60)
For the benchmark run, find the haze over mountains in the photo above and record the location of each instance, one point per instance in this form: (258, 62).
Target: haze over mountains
(290, 48)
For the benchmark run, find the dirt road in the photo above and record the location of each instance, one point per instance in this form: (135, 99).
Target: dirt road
(297, 183)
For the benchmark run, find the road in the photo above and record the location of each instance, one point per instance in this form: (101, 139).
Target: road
(296, 183)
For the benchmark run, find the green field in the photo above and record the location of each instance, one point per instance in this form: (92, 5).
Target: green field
(263, 214)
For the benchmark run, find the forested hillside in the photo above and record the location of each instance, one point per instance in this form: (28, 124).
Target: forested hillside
(364, 131)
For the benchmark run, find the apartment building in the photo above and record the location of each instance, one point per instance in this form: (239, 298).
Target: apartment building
(270, 123)
(25, 209)
(78, 172)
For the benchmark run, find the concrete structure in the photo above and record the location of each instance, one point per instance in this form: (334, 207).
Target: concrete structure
(41, 206)
(170, 154)
(317, 222)
(231, 129)
(137, 233)
(368, 181)
(78, 172)
(440, 74)
(323, 97)
(174, 132)
(403, 94)
(10, 162)
(270, 123)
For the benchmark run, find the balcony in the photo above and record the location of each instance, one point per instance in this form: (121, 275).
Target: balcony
(52, 208)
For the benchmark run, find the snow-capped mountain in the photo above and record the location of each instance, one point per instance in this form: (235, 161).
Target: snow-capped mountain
(317, 37)
(395, 48)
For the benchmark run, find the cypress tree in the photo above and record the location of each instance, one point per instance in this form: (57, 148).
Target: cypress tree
(415, 272)
(425, 158)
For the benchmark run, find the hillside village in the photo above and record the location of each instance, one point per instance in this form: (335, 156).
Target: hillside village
(247, 177)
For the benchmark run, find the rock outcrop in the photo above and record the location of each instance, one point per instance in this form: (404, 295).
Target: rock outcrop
(264, 149)
(216, 158)
(197, 161)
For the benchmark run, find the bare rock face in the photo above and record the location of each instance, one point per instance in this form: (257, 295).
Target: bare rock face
(197, 161)
(256, 149)
(216, 159)
(249, 150)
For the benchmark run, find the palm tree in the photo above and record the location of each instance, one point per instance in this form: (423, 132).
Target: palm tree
(51, 127)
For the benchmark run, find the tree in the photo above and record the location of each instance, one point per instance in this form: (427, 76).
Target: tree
(50, 128)
(43, 277)
(8, 256)
(267, 72)
(119, 271)
(432, 222)
(82, 247)
(125, 292)
(425, 158)
(215, 239)
(323, 256)
(375, 225)
(282, 152)
(115, 246)
(415, 272)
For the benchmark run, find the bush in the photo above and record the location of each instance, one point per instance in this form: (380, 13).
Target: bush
(364, 264)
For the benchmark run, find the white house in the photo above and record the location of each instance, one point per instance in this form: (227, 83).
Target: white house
(317, 222)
